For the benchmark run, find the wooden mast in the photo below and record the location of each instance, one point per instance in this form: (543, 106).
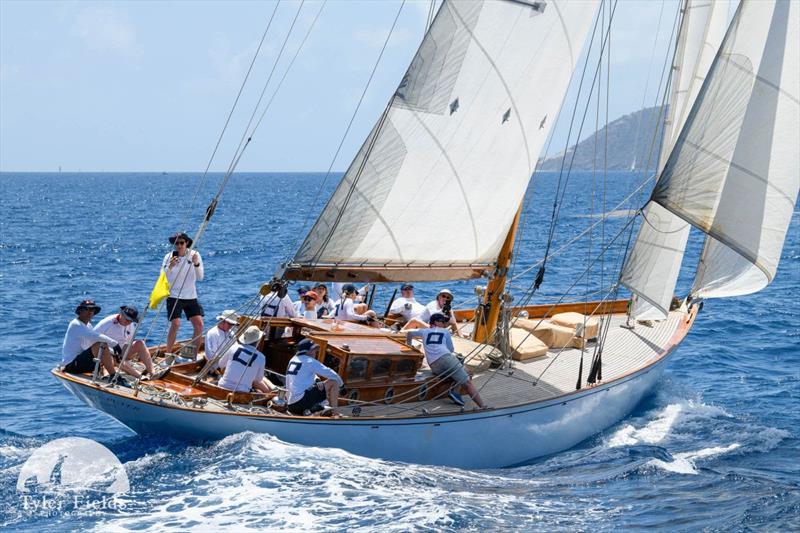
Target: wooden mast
(486, 321)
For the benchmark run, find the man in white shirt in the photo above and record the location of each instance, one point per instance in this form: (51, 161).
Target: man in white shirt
(183, 267)
(82, 343)
(277, 303)
(221, 335)
(406, 306)
(438, 347)
(244, 364)
(303, 393)
(120, 327)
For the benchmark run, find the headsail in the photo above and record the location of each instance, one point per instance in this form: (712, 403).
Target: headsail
(433, 190)
(653, 266)
(735, 170)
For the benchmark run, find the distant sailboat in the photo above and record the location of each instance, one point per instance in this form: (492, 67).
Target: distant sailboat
(455, 149)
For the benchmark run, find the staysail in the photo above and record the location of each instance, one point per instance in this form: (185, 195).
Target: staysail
(652, 268)
(434, 189)
(735, 170)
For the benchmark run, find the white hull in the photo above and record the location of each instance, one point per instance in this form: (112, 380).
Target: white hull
(516, 434)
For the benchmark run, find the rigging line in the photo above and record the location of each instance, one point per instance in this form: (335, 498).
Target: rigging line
(572, 118)
(318, 253)
(605, 152)
(563, 248)
(577, 280)
(558, 203)
(288, 68)
(230, 114)
(245, 135)
(237, 157)
(647, 81)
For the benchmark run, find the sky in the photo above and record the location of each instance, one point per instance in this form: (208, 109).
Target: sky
(147, 86)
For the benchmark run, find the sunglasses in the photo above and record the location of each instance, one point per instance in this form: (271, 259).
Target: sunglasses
(308, 299)
(180, 242)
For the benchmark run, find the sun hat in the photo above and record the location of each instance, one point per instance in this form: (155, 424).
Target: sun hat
(181, 235)
(230, 316)
(445, 291)
(88, 304)
(439, 317)
(312, 294)
(407, 287)
(251, 335)
(130, 312)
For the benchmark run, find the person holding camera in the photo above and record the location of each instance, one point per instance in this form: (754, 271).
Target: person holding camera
(184, 268)
(442, 304)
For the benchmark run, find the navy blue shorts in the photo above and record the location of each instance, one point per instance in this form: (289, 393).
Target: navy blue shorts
(313, 396)
(176, 306)
(83, 363)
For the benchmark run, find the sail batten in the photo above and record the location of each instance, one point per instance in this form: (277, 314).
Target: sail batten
(456, 146)
(735, 172)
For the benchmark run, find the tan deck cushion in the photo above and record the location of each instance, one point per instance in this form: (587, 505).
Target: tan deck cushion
(552, 335)
(571, 321)
(524, 345)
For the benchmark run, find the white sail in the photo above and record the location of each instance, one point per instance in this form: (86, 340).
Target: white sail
(437, 183)
(651, 271)
(654, 263)
(735, 171)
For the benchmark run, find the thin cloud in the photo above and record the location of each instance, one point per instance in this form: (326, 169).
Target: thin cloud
(104, 30)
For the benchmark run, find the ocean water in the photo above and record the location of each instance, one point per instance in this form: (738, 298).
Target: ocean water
(715, 447)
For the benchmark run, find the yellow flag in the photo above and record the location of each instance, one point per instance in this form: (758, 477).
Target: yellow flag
(160, 290)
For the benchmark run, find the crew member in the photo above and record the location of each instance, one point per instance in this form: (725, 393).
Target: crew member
(304, 394)
(184, 268)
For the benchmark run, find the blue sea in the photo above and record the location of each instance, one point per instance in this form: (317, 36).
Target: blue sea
(715, 447)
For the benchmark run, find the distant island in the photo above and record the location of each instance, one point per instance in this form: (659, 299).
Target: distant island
(629, 144)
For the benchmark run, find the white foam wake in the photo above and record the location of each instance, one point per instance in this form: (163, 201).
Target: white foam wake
(684, 463)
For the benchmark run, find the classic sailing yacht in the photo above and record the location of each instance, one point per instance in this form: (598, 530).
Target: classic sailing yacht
(455, 149)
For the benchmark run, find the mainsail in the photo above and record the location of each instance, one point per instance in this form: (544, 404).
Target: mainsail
(435, 187)
(735, 170)
(653, 266)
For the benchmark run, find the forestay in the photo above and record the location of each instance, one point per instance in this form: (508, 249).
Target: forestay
(653, 266)
(734, 172)
(434, 189)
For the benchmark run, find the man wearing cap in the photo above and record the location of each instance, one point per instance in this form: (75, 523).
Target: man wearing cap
(82, 343)
(277, 303)
(184, 268)
(406, 307)
(438, 347)
(120, 327)
(244, 364)
(304, 393)
(441, 305)
(221, 335)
